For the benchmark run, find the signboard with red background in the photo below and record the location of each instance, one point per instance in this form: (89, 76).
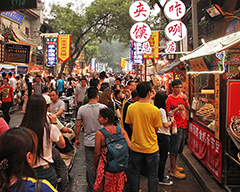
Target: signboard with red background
(206, 148)
(233, 104)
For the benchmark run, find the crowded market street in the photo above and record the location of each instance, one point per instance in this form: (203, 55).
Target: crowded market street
(78, 172)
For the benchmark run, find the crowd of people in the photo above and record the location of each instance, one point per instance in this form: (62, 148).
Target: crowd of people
(152, 122)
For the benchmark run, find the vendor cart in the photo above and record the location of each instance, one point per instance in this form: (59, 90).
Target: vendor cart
(212, 70)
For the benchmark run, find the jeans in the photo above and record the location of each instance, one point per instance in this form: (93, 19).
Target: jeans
(151, 166)
(163, 142)
(61, 169)
(90, 173)
(5, 108)
(48, 174)
(177, 142)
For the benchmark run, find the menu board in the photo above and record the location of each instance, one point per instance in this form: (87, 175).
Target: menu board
(17, 53)
(233, 104)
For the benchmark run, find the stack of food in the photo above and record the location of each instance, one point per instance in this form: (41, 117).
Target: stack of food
(207, 112)
(235, 127)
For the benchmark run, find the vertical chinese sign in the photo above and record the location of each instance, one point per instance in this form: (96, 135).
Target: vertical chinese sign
(51, 51)
(123, 63)
(175, 10)
(64, 47)
(154, 42)
(139, 11)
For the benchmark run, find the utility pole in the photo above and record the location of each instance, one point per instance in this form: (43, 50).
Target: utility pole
(194, 24)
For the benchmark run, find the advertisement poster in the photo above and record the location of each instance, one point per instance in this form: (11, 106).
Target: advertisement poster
(17, 53)
(233, 104)
(206, 148)
(22, 69)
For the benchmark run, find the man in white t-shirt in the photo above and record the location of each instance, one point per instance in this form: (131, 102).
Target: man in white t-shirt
(12, 82)
(57, 106)
(88, 114)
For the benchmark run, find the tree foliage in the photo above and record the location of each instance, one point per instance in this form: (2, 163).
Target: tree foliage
(102, 20)
(111, 53)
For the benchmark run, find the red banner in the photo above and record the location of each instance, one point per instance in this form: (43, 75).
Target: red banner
(206, 148)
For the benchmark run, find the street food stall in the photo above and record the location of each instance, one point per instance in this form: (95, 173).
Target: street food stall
(210, 72)
(175, 70)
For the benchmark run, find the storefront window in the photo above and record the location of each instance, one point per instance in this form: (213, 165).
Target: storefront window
(203, 99)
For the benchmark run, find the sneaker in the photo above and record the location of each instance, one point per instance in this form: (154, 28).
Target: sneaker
(180, 169)
(165, 182)
(166, 177)
(178, 175)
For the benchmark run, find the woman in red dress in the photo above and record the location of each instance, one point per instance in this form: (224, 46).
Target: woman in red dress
(114, 182)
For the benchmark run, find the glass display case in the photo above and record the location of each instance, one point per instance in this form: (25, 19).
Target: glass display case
(202, 95)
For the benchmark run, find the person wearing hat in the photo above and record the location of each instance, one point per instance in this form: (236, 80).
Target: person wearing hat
(80, 92)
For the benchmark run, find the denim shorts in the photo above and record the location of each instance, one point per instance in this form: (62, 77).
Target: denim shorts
(177, 141)
(48, 174)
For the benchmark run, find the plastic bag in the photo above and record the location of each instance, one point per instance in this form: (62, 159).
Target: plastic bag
(174, 127)
(183, 114)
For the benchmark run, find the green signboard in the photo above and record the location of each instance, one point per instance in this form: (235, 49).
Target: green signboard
(10, 5)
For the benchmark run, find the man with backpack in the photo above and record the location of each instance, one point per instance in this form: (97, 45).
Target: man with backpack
(88, 114)
(144, 118)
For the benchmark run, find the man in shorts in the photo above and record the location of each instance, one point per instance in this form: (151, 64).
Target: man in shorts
(176, 105)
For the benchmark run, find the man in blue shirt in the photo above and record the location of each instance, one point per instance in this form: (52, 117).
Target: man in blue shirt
(60, 86)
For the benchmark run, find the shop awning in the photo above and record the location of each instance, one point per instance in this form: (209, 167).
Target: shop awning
(170, 66)
(7, 66)
(215, 46)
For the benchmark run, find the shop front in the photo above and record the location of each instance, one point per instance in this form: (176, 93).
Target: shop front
(211, 69)
(174, 70)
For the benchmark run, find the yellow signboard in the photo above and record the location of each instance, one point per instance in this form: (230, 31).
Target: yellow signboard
(123, 63)
(64, 47)
(154, 42)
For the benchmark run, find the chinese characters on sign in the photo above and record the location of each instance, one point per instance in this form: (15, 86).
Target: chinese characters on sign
(135, 52)
(176, 30)
(64, 47)
(174, 9)
(14, 16)
(139, 11)
(51, 52)
(198, 65)
(146, 48)
(206, 148)
(171, 47)
(140, 32)
(17, 53)
(154, 42)
(9, 5)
